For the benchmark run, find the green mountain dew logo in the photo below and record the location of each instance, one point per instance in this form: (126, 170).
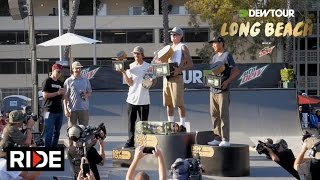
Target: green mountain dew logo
(243, 13)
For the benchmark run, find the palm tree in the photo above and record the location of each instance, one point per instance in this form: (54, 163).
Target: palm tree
(165, 19)
(72, 24)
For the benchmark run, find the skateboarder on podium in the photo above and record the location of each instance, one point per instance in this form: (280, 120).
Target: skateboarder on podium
(138, 97)
(220, 97)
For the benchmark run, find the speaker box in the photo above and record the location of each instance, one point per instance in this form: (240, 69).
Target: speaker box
(18, 9)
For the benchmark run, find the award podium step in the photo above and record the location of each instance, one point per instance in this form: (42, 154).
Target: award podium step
(232, 161)
(122, 157)
(173, 146)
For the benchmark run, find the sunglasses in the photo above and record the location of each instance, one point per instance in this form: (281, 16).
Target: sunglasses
(136, 53)
(174, 34)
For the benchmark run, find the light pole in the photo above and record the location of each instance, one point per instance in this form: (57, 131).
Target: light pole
(34, 72)
(94, 33)
(60, 27)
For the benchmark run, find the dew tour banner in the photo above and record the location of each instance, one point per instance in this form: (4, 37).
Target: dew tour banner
(251, 76)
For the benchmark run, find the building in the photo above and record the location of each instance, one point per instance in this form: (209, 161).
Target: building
(122, 25)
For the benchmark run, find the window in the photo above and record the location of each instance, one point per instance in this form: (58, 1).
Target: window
(311, 44)
(136, 10)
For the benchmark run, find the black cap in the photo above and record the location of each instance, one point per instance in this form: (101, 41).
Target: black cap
(217, 39)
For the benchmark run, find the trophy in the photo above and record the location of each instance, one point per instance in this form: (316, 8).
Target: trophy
(121, 62)
(164, 69)
(215, 79)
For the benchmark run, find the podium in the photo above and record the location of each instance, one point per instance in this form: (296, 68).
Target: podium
(173, 146)
(122, 157)
(232, 161)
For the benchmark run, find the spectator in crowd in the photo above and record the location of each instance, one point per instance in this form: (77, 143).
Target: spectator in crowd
(143, 175)
(309, 168)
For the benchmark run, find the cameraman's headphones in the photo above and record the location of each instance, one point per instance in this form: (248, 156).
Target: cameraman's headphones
(313, 150)
(74, 132)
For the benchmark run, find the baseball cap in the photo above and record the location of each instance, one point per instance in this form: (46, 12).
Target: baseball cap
(138, 49)
(217, 39)
(76, 64)
(16, 116)
(57, 67)
(177, 30)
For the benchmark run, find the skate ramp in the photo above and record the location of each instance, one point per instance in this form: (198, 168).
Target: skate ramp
(253, 112)
(265, 112)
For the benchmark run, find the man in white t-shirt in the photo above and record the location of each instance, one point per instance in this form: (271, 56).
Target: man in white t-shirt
(138, 97)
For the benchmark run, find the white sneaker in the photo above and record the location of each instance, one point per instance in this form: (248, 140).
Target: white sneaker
(214, 143)
(224, 143)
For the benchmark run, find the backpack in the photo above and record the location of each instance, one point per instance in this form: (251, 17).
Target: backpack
(180, 169)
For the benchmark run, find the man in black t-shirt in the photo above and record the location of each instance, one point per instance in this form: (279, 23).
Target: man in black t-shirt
(52, 91)
(284, 157)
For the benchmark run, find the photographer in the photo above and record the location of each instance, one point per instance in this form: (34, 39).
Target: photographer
(12, 137)
(139, 154)
(280, 154)
(82, 136)
(309, 168)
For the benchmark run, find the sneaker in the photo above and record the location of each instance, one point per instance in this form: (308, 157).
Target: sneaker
(224, 143)
(182, 129)
(214, 143)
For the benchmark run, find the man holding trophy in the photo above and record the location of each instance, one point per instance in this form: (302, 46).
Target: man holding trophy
(224, 70)
(138, 96)
(173, 85)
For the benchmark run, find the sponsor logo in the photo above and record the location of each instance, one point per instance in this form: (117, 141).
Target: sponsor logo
(35, 159)
(89, 73)
(266, 12)
(251, 74)
(265, 51)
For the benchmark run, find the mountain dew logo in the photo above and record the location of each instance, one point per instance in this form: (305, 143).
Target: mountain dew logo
(89, 73)
(251, 74)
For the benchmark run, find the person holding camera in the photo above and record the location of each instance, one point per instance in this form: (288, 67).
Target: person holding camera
(139, 154)
(281, 154)
(309, 168)
(12, 136)
(53, 92)
(75, 133)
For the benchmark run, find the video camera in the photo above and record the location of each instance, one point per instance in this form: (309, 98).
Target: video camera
(27, 112)
(189, 168)
(86, 136)
(261, 147)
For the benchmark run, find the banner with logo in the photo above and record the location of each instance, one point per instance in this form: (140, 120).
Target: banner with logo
(251, 76)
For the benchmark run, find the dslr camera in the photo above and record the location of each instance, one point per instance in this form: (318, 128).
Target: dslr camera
(27, 112)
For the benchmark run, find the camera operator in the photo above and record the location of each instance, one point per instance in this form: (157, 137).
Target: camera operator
(94, 158)
(12, 136)
(281, 154)
(309, 168)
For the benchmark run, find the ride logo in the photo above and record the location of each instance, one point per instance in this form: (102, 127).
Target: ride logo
(35, 159)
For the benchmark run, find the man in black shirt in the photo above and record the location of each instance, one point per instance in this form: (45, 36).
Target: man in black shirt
(52, 91)
(284, 157)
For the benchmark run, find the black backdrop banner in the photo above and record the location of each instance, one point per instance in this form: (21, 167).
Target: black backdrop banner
(258, 75)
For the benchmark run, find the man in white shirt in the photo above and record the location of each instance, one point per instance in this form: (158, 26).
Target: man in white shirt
(138, 97)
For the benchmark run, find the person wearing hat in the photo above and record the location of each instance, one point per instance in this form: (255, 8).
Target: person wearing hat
(13, 136)
(309, 168)
(76, 99)
(138, 97)
(282, 155)
(219, 97)
(53, 93)
(173, 86)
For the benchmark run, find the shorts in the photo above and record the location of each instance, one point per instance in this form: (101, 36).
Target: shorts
(173, 91)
